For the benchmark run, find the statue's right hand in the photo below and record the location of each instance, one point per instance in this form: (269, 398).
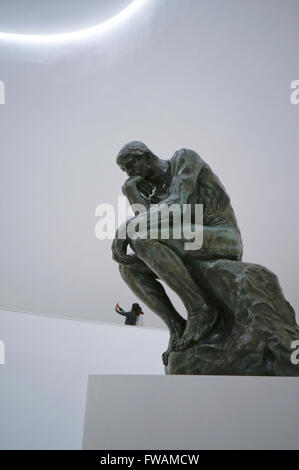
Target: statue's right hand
(137, 183)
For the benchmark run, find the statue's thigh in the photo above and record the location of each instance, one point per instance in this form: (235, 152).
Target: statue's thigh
(218, 242)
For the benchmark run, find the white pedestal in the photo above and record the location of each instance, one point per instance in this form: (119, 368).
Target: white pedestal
(191, 412)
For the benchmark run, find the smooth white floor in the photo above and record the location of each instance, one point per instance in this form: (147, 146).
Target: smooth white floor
(43, 383)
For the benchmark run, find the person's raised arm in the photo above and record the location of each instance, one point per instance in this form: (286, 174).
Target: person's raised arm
(120, 310)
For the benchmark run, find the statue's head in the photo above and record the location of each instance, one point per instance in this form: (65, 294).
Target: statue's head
(136, 159)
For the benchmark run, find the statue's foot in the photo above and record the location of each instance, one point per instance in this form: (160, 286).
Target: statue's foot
(196, 329)
(171, 347)
(174, 337)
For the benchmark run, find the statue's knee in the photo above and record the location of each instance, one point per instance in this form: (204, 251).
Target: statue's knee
(138, 245)
(127, 273)
(124, 271)
(142, 244)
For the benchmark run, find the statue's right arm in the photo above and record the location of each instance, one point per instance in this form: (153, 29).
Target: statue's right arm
(133, 189)
(187, 165)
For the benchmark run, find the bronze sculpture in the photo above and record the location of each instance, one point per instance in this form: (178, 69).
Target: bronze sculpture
(238, 321)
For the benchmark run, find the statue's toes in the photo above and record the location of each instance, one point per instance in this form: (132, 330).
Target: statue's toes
(171, 347)
(183, 342)
(165, 357)
(191, 336)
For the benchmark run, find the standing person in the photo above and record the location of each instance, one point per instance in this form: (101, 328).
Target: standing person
(133, 317)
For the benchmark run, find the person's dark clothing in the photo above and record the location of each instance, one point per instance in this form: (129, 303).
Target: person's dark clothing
(131, 317)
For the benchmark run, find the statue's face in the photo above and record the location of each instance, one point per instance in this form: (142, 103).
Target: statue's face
(136, 165)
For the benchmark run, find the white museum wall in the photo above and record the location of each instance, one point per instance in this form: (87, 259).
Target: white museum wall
(43, 383)
(209, 75)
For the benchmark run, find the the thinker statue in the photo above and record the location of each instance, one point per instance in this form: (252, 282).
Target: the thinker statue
(238, 321)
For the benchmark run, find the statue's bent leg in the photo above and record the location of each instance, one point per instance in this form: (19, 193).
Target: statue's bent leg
(143, 282)
(170, 268)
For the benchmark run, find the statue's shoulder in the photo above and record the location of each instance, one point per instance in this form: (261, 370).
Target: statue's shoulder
(186, 156)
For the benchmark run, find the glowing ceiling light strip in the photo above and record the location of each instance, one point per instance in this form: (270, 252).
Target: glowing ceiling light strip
(74, 35)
